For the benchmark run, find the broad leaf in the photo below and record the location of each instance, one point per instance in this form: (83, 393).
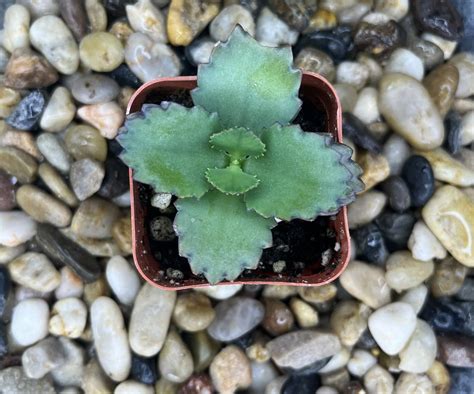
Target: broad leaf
(219, 236)
(238, 143)
(231, 180)
(249, 85)
(168, 148)
(302, 175)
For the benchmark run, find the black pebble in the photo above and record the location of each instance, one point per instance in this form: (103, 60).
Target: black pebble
(116, 8)
(3, 340)
(418, 175)
(452, 124)
(125, 77)
(448, 316)
(62, 250)
(398, 193)
(144, 369)
(371, 244)
(28, 112)
(462, 380)
(115, 181)
(396, 229)
(366, 341)
(5, 286)
(466, 10)
(354, 129)
(295, 384)
(336, 42)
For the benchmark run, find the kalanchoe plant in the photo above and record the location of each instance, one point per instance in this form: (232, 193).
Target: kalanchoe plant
(234, 161)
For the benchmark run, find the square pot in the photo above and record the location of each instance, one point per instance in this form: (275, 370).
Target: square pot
(315, 91)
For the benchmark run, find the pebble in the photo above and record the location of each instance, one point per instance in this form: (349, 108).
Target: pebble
(24, 142)
(95, 380)
(449, 316)
(27, 113)
(29, 322)
(424, 245)
(150, 320)
(352, 73)
(297, 14)
(405, 62)
(122, 234)
(106, 117)
(17, 228)
(235, 317)
(13, 380)
(57, 185)
(116, 181)
(262, 375)
(5, 287)
(50, 35)
(371, 244)
(101, 51)
(392, 326)
(59, 112)
(41, 8)
(467, 129)
(122, 279)
(9, 99)
(398, 193)
(224, 23)
(71, 285)
(200, 50)
(396, 151)
(409, 383)
(461, 379)
(110, 338)
(86, 177)
(28, 70)
(360, 362)
(464, 62)
(439, 376)
(366, 283)
(456, 351)
(59, 248)
(161, 200)
(420, 351)
(418, 174)
(366, 208)
(71, 372)
(430, 54)
(4, 57)
(7, 192)
(450, 216)
(401, 100)
(447, 46)
(145, 18)
(16, 26)
(272, 31)
(347, 96)
(466, 292)
(68, 318)
(96, 247)
(307, 384)
(203, 348)
(74, 14)
(94, 89)
(96, 289)
(124, 76)
(54, 151)
(349, 321)
(299, 349)
(317, 295)
(404, 272)
(378, 380)
(375, 167)
(35, 271)
(380, 39)
(394, 9)
(306, 316)
(314, 60)
(42, 358)
(42, 207)
(441, 84)
(193, 312)
(439, 17)
(366, 107)
(357, 132)
(83, 141)
(130, 386)
(144, 369)
(175, 361)
(278, 317)
(230, 370)
(94, 218)
(96, 15)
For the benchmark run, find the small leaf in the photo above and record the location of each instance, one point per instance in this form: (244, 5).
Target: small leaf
(168, 148)
(249, 85)
(231, 180)
(302, 175)
(238, 143)
(219, 236)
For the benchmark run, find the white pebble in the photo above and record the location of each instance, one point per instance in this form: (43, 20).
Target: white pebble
(224, 23)
(366, 208)
(161, 200)
(16, 26)
(30, 321)
(352, 73)
(366, 107)
(424, 245)
(272, 31)
(415, 297)
(133, 387)
(395, 9)
(396, 151)
(406, 62)
(71, 285)
(448, 47)
(43, 357)
(404, 272)
(338, 361)
(59, 112)
(16, 227)
(68, 318)
(145, 18)
(220, 292)
(467, 128)
(106, 117)
(360, 362)
(122, 279)
(420, 352)
(8, 254)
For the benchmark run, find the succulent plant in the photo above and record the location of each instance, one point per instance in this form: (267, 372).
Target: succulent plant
(234, 161)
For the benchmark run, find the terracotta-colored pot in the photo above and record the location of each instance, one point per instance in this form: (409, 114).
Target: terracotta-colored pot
(314, 90)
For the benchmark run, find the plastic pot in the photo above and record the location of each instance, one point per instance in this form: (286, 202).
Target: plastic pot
(314, 90)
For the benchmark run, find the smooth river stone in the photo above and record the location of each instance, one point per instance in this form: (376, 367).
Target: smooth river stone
(349, 321)
(175, 361)
(366, 283)
(448, 169)
(464, 62)
(96, 14)
(94, 89)
(150, 320)
(392, 326)
(41, 8)
(106, 117)
(408, 108)
(193, 312)
(42, 207)
(68, 318)
(110, 338)
(50, 35)
(131, 386)
(366, 208)
(404, 272)
(149, 59)
(230, 370)
(441, 84)
(145, 18)
(375, 169)
(86, 176)
(42, 358)
(52, 148)
(94, 218)
(405, 62)
(101, 51)
(74, 14)
(272, 31)
(122, 279)
(17, 228)
(83, 141)
(450, 216)
(14, 381)
(424, 245)
(30, 321)
(59, 111)
(57, 185)
(223, 24)
(35, 271)
(235, 317)
(17, 23)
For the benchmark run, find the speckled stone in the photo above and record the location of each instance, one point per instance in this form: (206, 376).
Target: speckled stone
(7, 192)
(349, 321)
(230, 370)
(27, 113)
(193, 312)
(86, 177)
(13, 380)
(94, 89)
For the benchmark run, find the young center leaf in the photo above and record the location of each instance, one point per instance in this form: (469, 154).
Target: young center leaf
(219, 236)
(249, 85)
(238, 143)
(302, 175)
(168, 148)
(231, 180)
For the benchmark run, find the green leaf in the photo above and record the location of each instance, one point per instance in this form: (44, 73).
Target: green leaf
(231, 180)
(238, 143)
(168, 147)
(249, 85)
(302, 175)
(219, 236)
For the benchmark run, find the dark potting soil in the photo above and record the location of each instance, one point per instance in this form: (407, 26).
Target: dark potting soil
(298, 246)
